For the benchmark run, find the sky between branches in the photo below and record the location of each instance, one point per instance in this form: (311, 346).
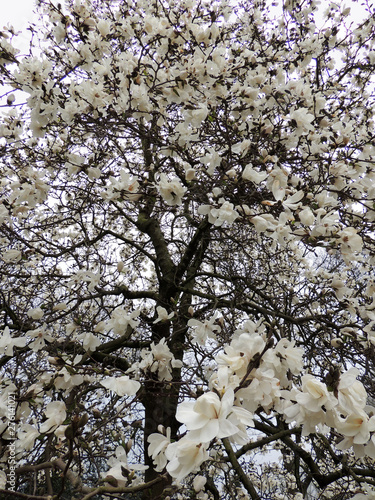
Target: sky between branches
(18, 13)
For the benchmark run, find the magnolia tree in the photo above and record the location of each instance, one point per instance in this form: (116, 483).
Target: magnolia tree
(187, 252)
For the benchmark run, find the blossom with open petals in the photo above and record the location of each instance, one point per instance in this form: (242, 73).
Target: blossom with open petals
(352, 395)
(357, 426)
(210, 417)
(27, 435)
(7, 342)
(306, 216)
(121, 319)
(314, 395)
(121, 385)
(350, 241)
(217, 216)
(240, 352)
(163, 314)
(159, 359)
(250, 174)
(204, 330)
(303, 119)
(157, 447)
(119, 465)
(284, 357)
(185, 456)
(56, 414)
(171, 191)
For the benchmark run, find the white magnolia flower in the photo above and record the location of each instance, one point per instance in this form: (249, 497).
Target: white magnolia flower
(293, 202)
(222, 379)
(262, 223)
(210, 417)
(277, 182)
(11, 256)
(350, 241)
(303, 119)
(90, 341)
(85, 276)
(157, 447)
(314, 395)
(195, 116)
(198, 483)
(163, 314)
(249, 174)
(302, 416)
(358, 426)
(27, 434)
(121, 385)
(326, 225)
(159, 359)
(66, 381)
(7, 342)
(41, 336)
(103, 27)
(263, 391)
(341, 290)
(56, 414)
(306, 216)
(36, 313)
(121, 319)
(126, 187)
(212, 159)
(368, 495)
(240, 352)
(185, 456)
(284, 357)
(171, 191)
(119, 462)
(202, 331)
(60, 307)
(242, 147)
(190, 174)
(217, 216)
(352, 395)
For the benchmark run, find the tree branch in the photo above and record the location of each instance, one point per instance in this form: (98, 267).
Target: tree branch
(238, 469)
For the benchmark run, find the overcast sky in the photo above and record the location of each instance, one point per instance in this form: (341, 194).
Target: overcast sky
(17, 13)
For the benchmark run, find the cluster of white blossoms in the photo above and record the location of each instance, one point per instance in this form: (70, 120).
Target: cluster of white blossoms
(246, 153)
(158, 359)
(39, 336)
(345, 409)
(203, 330)
(217, 216)
(171, 191)
(126, 187)
(254, 374)
(121, 319)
